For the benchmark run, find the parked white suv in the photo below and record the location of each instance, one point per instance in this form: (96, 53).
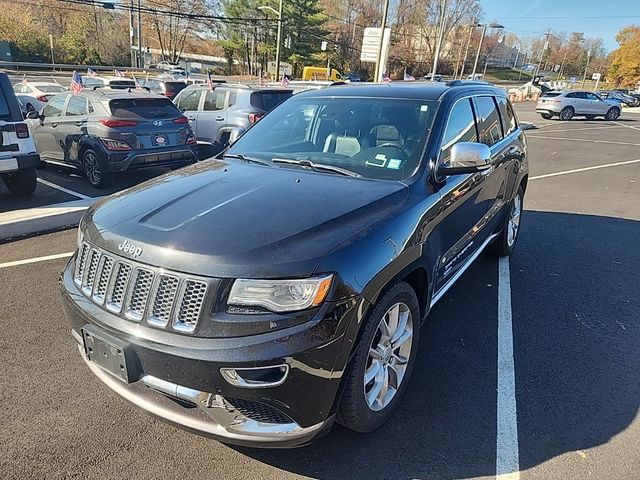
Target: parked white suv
(18, 156)
(567, 105)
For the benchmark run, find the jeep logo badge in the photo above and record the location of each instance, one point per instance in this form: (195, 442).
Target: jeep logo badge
(158, 123)
(130, 248)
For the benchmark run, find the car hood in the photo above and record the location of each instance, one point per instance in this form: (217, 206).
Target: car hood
(240, 220)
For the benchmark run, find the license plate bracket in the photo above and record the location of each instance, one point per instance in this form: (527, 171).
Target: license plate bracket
(108, 353)
(160, 140)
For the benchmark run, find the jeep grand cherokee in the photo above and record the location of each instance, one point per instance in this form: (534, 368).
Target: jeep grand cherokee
(262, 295)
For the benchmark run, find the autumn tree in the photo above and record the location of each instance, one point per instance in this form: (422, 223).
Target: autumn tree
(625, 61)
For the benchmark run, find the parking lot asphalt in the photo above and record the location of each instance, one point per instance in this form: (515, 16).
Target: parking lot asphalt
(575, 315)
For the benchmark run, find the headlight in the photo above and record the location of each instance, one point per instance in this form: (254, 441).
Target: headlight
(79, 237)
(280, 295)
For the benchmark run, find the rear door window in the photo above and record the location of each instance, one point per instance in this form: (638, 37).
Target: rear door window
(54, 106)
(146, 108)
(461, 127)
(269, 99)
(489, 127)
(509, 124)
(77, 106)
(5, 113)
(214, 100)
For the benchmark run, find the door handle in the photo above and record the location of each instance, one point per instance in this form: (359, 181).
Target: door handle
(191, 119)
(54, 125)
(79, 124)
(219, 119)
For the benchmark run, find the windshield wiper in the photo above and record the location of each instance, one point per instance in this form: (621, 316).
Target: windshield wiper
(247, 159)
(316, 166)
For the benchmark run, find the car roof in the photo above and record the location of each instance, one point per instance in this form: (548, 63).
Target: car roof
(43, 84)
(409, 90)
(108, 78)
(241, 86)
(117, 94)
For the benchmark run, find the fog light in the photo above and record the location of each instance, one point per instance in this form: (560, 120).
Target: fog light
(256, 377)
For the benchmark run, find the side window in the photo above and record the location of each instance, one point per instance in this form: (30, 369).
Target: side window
(76, 106)
(189, 101)
(25, 89)
(232, 99)
(55, 105)
(571, 95)
(488, 119)
(509, 124)
(591, 96)
(461, 127)
(214, 100)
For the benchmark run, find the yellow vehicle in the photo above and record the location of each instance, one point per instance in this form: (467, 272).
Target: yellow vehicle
(320, 73)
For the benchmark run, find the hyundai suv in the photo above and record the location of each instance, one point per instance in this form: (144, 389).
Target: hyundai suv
(102, 132)
(18, 156)
(261, 296)
(220, 115)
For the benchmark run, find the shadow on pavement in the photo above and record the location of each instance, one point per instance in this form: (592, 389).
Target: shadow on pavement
(574, 285)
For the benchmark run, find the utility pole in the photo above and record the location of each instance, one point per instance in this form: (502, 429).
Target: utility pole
(53, 61)
(385, 13)
(140, 52)
(564, 59)
(517, 53)
(584, 77)
(466, 51)
(279, 40)
(443, 6)
(544, 47)
(131, 35)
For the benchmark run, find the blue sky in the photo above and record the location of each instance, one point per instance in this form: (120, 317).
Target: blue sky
(595, 18)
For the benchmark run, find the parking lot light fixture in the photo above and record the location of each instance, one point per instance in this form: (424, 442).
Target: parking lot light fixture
(279, 35)
(484, 31)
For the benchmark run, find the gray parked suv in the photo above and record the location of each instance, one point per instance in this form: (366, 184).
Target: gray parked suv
(107, 131)
(566, 105)
(222, 114)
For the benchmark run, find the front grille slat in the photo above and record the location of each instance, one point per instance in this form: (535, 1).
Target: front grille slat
(135, 291)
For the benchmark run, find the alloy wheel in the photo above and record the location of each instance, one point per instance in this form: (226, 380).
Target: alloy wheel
(388, 358)
(92, 168)
(514, 220)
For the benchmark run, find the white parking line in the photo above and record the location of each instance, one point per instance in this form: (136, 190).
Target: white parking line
(583, 140)
(507, 460)
(62, 189)
(585, 169)
(582, 128)
(627, 126)
(26, 261)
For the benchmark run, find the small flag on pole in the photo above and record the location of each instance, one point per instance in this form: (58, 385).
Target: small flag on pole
(76, 83)
(209, 81)
(386, 78)
(285, 81)
(24, 79)
(408, 77)
(137, 83)
(118, 73)
(91, 73)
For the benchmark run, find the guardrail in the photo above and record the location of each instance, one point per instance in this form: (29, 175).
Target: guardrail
(63, 66)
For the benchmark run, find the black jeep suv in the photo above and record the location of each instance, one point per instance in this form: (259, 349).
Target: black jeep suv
(262, 295)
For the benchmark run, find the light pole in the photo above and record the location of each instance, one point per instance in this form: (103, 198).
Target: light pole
(584, 77)
(443, 7)
(279, 36)
(517, 54)
(378, 73)
(466, 51)
(484, 31)
(140, 52)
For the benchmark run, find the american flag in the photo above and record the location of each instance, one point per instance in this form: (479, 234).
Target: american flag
(408, 76)
(285, 81)
(137, 83)
(91, 73)
(24, 79)
(386, 78)
(209, 81)
(76, 83)
(119, 73)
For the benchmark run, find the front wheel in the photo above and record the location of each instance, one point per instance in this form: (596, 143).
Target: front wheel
(23, 182)
(383, 361)
(613, 113)
(505, 242)
(94, 169)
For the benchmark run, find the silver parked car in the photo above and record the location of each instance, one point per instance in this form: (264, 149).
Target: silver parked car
(567, 105)
(35, 94)
(222, 114)
(105, 131)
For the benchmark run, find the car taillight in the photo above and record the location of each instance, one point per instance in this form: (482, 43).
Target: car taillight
(109, 122)
(254, 117)
(117, 145)
(22, 130)
(43, 98)
(191, 139)
(181, 120)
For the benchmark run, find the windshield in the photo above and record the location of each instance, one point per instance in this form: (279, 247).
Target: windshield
(51, 88)
(378, 138)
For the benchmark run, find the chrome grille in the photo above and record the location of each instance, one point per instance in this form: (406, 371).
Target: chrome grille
(191, 299)
(139, 292)
(163, 297)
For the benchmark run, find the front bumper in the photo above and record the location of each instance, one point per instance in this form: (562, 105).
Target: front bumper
(177, 377)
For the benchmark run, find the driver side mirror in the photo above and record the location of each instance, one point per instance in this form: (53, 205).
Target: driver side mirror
(467, 157)
(33, 115)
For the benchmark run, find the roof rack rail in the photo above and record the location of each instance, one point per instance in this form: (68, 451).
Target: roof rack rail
(460, 83)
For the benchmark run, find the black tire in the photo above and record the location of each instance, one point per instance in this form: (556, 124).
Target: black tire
(354, 411)
(590, 117)
(94, 170)
(546, 116)
(612, 114)
(23, 182)
(504, 244)
(567, 113)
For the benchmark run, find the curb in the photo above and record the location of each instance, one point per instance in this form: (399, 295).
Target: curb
(23, 223)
